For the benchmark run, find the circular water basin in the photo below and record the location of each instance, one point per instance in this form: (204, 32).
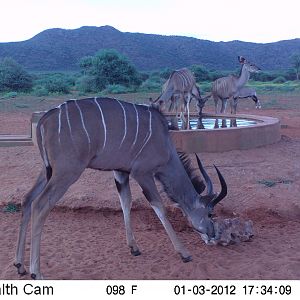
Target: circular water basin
(219, 133)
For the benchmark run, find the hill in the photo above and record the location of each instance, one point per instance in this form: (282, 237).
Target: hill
(60, 49)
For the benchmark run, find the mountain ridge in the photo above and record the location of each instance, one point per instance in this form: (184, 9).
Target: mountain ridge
(60, 49)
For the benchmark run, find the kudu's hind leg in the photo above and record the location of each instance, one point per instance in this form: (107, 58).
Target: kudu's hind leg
(150, 191)
(122, 183)
(41, 207)
(26, 214)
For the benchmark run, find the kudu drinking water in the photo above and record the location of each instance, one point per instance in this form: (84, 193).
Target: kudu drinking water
(108, 134)
(177, 93)
(228, 87)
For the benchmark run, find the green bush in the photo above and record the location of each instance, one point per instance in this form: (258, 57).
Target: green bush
(86, 84)
(108, 67)
(9, 95)
(279, 79)
(40, 91)
(117, 89)
(55, 83)
(152, 84)
(13, 77)
(200, 73)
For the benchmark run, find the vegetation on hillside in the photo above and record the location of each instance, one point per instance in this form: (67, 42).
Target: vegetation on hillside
(60, 50)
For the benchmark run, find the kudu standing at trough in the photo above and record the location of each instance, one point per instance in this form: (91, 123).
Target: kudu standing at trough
(108, 134)
(228, 87)
(177, 93)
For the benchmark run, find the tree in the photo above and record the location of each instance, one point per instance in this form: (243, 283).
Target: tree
(109, 67)
(200, 73)
(295, 58)
(13, 77)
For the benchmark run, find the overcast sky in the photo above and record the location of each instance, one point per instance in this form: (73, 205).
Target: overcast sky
(260, 21)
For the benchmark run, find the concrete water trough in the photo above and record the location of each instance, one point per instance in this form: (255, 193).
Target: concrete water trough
(219, 133)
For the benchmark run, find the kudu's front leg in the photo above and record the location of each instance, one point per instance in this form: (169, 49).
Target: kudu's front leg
(150, 191)
(122, 183)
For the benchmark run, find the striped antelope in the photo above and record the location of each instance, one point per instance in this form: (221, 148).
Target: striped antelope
(108, 134)
(247, 92)
(177, 93)
(229, 86)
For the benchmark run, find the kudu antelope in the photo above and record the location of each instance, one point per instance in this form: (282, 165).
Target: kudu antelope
(108, 134)
(177, 93)
(229, 86)
(247, 92)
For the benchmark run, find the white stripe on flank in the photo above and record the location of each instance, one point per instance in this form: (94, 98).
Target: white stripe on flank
(68, 119)
(45, 158)
(125, 123)
(103, 122)
(82, 121)
(137, 125)
(149, 134)
(59, 122)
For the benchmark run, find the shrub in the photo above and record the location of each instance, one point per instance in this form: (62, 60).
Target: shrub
(108, 67)
(55, 83)
(13, 77)
(151, 84)
(117, 89)
(279, 79)
(10, 95)
(86, 84)
(200, 73)
(40, 91)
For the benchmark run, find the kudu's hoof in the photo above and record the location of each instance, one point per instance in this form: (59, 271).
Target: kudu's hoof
(18, 266)
(33, 276)
(186, 259)
(135, 252)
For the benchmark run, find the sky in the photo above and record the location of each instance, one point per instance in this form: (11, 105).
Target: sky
(260, 21)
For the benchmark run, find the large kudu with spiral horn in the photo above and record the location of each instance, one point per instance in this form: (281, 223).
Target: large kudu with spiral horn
(108, 134)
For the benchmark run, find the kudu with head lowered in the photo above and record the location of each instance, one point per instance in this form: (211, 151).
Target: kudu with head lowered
(108, 134)
(228, 87)
(177, 93)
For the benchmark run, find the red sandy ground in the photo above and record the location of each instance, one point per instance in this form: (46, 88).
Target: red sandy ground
(84, 236)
